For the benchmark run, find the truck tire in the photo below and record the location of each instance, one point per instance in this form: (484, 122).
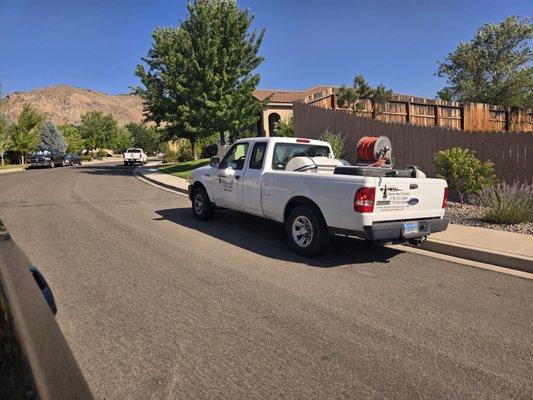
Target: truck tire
(307, 231)
(202, 209)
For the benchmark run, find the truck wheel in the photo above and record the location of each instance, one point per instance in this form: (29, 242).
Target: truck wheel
(202, 209)
(307, 232)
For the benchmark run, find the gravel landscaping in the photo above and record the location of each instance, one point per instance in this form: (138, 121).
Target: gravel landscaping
(467, 214)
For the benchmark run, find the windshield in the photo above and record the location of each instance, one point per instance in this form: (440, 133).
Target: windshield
(284, 152)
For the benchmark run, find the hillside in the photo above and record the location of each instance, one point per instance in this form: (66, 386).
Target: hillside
(66, 104)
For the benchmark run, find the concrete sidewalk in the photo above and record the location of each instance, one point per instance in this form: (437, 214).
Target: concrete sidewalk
(505, 249)
(151, 174)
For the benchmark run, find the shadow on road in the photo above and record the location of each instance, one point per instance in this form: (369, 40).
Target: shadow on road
(267, 238)
(115, 170)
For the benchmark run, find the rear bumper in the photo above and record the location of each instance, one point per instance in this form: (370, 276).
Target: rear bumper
(395, 230)
(33, 164)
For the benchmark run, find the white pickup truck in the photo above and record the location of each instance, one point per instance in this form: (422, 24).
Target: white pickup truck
(135, 155)
(298, 182)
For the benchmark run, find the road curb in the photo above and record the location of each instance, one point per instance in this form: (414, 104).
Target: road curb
(506, 260)
(138, 171)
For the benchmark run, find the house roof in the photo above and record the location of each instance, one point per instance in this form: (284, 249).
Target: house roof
(288, 96)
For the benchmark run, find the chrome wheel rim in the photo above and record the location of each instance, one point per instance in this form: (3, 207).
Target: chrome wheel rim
(302, 231)
(198, 203)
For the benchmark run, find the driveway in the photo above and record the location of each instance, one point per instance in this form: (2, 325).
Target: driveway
(155, 304)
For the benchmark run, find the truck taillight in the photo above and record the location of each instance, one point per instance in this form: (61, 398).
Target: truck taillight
(445, 197)
(364, 199)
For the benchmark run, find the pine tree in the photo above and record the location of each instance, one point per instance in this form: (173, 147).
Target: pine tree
(51, 138)
(200, 76)
(352, 97)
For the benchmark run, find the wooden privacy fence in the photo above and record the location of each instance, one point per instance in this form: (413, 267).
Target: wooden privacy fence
(449, 114)
(511, 152)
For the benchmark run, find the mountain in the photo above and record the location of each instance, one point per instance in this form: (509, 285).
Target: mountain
(65, 104)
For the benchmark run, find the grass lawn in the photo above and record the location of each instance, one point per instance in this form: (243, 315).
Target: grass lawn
(183, 170)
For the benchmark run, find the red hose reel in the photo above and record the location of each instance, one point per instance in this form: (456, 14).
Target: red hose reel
(374, 150)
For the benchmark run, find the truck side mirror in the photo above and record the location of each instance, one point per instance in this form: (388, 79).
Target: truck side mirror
(214, 162)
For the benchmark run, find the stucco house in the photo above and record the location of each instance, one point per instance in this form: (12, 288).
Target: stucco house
(280, 105)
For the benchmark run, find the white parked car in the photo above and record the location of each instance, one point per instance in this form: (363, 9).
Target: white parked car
(298, 182)
(135, 155)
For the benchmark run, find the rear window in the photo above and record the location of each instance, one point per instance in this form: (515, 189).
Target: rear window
(284, 152)
(133, 151)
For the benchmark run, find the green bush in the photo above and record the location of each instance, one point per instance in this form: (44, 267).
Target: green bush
(185, 152)
(464, 172)
(170, 156)
(506, 204)
(86, 158)
(336, 141)
(101, 153)
(284, 128)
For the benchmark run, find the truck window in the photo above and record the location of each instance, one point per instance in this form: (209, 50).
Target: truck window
(284, 152)
(235, 156)
(258, 154)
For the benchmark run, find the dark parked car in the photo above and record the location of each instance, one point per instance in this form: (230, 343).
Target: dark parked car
(72, 159)
(46, 158)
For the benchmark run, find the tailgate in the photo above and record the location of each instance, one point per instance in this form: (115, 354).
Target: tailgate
(408, 198)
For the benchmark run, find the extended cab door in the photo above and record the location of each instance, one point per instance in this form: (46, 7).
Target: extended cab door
(227, 185)
(251, 192)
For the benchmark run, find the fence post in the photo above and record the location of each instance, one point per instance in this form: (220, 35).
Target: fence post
(437, 115)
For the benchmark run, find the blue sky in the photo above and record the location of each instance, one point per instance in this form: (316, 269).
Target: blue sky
(96, 44)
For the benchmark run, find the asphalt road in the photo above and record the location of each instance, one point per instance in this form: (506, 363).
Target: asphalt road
(157, 305)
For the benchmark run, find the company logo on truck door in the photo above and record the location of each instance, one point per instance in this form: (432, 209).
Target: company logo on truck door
(412, 201)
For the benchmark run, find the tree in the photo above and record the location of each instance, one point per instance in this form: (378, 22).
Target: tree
(336, 141)
(284, 128)
(199, 77)
(122, 140)
(5, 136)
(494, 67)
(75, 142)
(145, 137)
(353, 97)
(51, 138)
(98, 130)
(25, 137)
